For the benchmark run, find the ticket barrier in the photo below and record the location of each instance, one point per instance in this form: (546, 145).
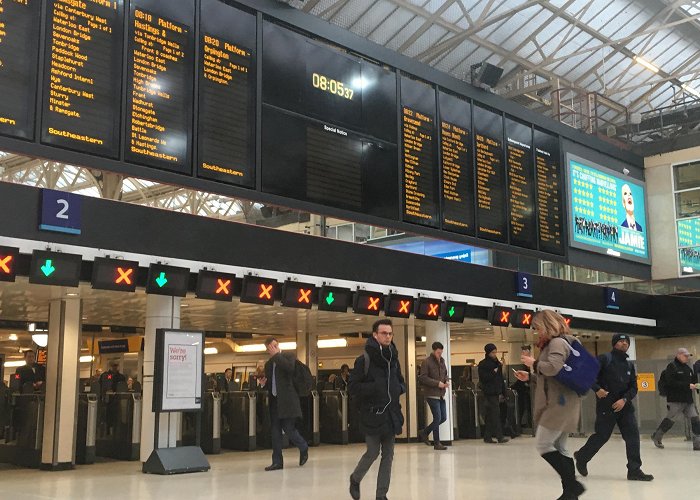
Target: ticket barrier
(239, 419)
(119, 426)
(23, 434)
(334, 417)
(354, 433)
(510, 414)
(85, 443)
(310, 425)
(468, 415)
(5, 410)
(455, 422)
(210, 416)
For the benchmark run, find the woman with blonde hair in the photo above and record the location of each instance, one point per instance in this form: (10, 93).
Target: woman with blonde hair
(557, 408)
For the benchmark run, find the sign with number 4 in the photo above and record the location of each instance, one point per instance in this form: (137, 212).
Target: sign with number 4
(611, 298)
(60, 212)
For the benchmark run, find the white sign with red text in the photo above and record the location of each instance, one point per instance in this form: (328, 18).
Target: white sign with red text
(182, 370)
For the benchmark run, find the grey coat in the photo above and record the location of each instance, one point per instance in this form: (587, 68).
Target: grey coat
(557, 407)
(288, 405)
(431, 374)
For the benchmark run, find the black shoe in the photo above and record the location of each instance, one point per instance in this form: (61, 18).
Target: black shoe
(489, 441)
(638, 475)
(439, 446)
(581, 466)
(657, 441)
(503, 440)
(303, 457)
(274, 467)
(423, 437)
(354, 489)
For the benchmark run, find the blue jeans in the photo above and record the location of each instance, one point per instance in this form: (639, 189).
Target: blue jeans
(438, 408)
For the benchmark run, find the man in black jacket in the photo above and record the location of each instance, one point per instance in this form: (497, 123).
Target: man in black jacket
(494, 388)
(285, 407)
(681, 381)
(378, 387)
(615, 389)
(31, 373)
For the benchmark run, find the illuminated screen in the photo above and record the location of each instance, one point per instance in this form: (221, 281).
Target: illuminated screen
(332, 298)
(689, 245)
(606, 211)
(398, 306)
(168, 280)
(299, 295)
(368, 302)
(215, 286)
(259, 290)
(520, 175)
(114, 274)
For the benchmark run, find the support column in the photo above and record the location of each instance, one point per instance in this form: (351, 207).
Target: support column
(62, 375)
(405, 340)
(161, 312)
(439, 331)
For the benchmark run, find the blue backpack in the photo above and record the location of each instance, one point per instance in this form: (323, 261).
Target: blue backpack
(580, 370)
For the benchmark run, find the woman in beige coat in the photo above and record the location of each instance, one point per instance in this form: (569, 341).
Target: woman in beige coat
(557, 408)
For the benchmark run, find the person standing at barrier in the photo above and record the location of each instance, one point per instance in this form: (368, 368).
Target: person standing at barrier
(229, 384)
(615, 389)
(32, 372)
(557, 408)
(434, 381)
(285, 406)
(377, 382)
(494, 388)
(110, 380)
(341, 382)
(681, 381)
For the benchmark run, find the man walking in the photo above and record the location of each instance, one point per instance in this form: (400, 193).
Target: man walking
(615, 389)
(494, 388)
(681, 381)
(433, 379)
(377, 382)
(285, 407)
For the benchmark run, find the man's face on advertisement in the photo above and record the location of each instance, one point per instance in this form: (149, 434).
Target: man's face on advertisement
(627, 199)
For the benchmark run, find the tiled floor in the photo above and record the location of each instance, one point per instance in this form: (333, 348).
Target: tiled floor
(469, 469)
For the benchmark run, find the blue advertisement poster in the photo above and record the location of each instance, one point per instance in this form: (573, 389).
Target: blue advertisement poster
(689, 245)
(607, 211)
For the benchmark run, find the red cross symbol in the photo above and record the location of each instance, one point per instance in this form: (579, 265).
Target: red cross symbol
(304, 296)
(373, 304)
(4, 264)
(223, 286)
(124, 275)
(568, 321)
(433, 311)
(527, 319)
(505, 317)
(404, 306)
(265, 292)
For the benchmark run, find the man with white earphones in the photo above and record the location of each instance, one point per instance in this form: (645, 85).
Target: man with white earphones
(377, 382)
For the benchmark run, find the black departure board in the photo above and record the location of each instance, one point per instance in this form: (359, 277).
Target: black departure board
(490, 175)
(520, 170)
(419, 153)
(456, 165)
(19, 58)
(82, 85)
(226, 72)
(159, 84)
(313, 161)
(549, 193)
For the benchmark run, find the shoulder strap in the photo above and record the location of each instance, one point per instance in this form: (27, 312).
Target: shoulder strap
(365, 354)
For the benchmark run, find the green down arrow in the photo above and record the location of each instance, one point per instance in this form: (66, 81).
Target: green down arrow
(47, 268)
(161, 280)
(330, 299)
(451, 312)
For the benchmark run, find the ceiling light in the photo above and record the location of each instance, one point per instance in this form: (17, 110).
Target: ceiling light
(326, 343)
(40, 339)
(211, 350)
(646, 64)
(13, 336)
(691, 90)
(288, 346)
(71, 294)
(423, 339)
(14, 364)
(358, 319)
(31, 327)
(184, 305)
(251, 348)
(87, 359)
(279, 313)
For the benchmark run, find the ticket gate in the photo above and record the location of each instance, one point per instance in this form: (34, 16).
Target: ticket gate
(23, 434)
(239, 419)
(334, 417)
(210, 422)
(468, 415)
(85, 443)
(309, 427)
(119, 426)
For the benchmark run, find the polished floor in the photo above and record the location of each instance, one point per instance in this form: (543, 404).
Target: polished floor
(469, 469)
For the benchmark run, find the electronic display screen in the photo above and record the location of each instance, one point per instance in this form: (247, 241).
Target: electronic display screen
(398, 306)
(19, 60)
(55, 268)
(456, 165)
(159, 84)
(427, 308)
(82, 89)
(215, 286)
(490, 175)
(550, 212)
(8, 263)
(607, 211)
(333, 298)
(419, 153)
(453, 312)
(226, 73)
(520, 168)
(366, 302)
(522, 318)
(258, 290)
(114, 274)
(688, 231)
(168, 280)
(500, 316)
(299, 295)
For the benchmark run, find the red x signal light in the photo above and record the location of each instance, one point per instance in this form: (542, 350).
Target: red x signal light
(265, 291)
(5, 264)
(433, 309)
(373, 304)
(125, 276)
(223, 286)
(305, 296)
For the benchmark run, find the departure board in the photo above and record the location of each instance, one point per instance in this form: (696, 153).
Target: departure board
(82, 85)
(159, 84)
(419, 153)
(19, 58)
(550, 215)
(226, 72)
(521, 184)
(490, 175)
(456, 165)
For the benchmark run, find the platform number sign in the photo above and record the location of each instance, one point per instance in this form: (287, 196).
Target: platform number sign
(524, 285)
(60, 212)
(612, 298)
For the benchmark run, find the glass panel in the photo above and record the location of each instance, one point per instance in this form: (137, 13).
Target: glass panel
(687, 176)
(688, 204)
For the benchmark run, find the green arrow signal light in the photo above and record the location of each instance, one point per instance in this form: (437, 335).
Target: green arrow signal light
(161, 280)
(47, 268)
(451, 312)
(330, 299)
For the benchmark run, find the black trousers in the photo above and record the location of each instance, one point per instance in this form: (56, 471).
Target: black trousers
(605, 422)
(288, 425)
(492, 418)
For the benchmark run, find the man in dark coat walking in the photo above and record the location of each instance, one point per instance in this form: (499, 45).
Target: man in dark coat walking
(285, 407)
(378, 387)
(615, 389)
(494, 388)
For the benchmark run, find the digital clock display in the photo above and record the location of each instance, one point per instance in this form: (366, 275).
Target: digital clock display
(331, 86)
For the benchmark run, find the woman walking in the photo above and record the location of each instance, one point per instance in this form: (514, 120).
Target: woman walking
(557, 408)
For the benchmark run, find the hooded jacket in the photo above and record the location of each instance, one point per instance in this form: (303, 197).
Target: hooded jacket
(378, 392)
(491, 381)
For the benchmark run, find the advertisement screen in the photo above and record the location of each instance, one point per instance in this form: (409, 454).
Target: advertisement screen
(607, 211)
